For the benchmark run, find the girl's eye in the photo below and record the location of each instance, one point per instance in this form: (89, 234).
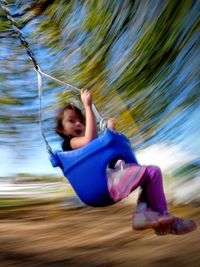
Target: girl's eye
(71, 121)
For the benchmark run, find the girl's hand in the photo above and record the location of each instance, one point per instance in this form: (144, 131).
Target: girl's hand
(86, 97)
(111, 123)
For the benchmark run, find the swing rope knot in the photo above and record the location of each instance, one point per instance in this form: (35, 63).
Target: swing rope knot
(103, 124)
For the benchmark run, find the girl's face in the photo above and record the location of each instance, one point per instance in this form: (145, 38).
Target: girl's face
(72, 124)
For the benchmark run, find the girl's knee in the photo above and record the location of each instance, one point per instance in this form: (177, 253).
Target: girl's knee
(154, 172)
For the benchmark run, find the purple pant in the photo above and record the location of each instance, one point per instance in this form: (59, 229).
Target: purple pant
(152, 192)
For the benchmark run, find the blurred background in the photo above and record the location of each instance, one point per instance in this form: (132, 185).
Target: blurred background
(140, 59)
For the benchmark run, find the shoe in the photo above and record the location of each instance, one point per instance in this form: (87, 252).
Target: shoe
(177, 227)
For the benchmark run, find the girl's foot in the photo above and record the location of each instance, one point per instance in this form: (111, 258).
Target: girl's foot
(177, 227)
(145, 218)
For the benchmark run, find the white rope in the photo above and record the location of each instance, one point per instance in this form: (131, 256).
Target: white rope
(97, 115)
(40, 109)
(58, 81)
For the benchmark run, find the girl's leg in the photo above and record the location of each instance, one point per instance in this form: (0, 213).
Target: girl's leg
(152, 206)
(152, 189)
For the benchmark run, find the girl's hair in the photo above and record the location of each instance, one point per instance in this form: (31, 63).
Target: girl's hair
(59, 118)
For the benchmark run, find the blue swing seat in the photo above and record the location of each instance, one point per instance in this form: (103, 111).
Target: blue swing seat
(85, 168)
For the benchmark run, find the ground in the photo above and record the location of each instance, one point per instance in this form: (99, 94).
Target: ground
(50, 235)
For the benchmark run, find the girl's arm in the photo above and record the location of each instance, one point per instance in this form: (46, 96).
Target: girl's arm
(90, 128)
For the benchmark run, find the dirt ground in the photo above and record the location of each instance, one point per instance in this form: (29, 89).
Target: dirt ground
(49, 235)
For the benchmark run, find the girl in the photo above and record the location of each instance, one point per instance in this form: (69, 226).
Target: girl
(78, 130)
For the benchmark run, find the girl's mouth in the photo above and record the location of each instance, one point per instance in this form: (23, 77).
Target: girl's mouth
(78, 132)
